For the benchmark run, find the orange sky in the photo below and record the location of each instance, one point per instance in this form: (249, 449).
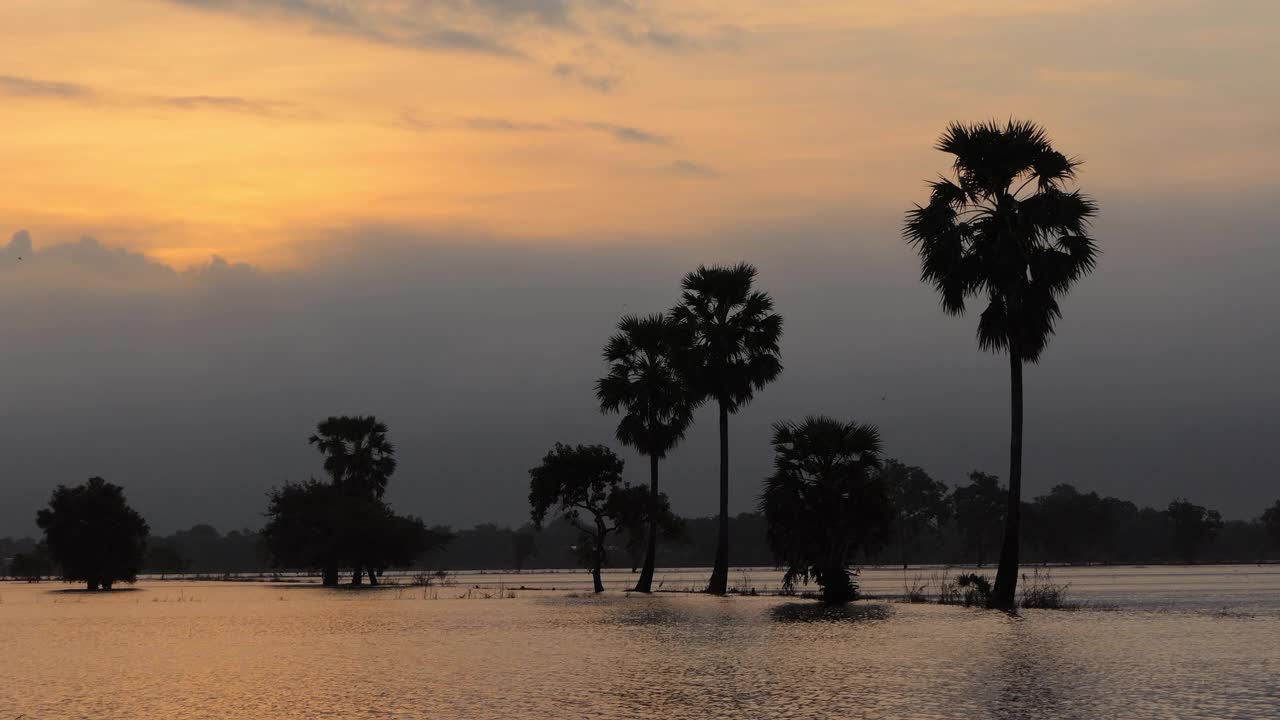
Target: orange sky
(185, 128)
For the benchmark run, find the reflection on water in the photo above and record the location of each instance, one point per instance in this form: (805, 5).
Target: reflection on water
(817, 612)
(228, 650)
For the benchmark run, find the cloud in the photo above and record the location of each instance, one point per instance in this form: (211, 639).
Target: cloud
(686, 168)
(506, 125)
(22, 87)
(600, 82)
(628, 134)
(15, 86)
(417, 25)
(410, 119)
(124, 367)
(227, 103)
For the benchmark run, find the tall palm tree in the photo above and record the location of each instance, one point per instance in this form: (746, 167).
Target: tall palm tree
(1005, 229)
(730, 340)
(357, 455)
(823, 502)
(646, 386)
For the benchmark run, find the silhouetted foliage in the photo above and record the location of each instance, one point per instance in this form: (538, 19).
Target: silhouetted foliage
(523, 547)
(163, 559)
(316, 525)
(646, 386)
(979, 506)
(920, 504)
(357, 455)
(1192, 527)
(824, 502)
(584, 485)
(93, 535)
(1271, 521)
(1005, 229)
(731, 337)
(32, 566)
(345, 523)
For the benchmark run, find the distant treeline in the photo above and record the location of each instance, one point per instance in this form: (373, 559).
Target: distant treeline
(1064, 526)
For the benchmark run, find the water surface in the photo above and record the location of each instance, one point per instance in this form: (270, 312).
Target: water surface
(1205, 644)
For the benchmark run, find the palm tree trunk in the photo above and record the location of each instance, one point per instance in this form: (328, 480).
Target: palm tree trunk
(645, 583)
(357, 577)
(720, 571)
(1007, 574)
(329, 576)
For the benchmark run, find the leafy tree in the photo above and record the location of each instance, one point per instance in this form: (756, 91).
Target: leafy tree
(731, 335)
(1007, 230)
(646, 386)
(920, 503)
(823, 502)
(523, 547)
(1191, 526)
(584, 486)
(164, 559)
(93, 534)
(317, 525)
(1271, 521)
(978, 507)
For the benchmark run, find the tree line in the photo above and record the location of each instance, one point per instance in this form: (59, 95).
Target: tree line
(1003, 228)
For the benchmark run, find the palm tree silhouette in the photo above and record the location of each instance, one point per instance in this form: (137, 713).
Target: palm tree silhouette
(730, 340)
(1005, 229)
(357, 455)
(359, 459)
(823, 502)
(646, 386)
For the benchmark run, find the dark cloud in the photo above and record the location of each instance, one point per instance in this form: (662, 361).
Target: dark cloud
(15, 86)
(196, 389)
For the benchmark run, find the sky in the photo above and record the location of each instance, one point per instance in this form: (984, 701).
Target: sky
(236, 217)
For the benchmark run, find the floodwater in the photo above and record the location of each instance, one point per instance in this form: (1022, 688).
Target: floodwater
(1159, 642)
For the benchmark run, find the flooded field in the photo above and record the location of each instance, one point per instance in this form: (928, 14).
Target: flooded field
(1162, 642)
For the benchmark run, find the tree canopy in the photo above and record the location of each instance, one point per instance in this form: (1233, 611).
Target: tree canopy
(823, 502)
(93, 535)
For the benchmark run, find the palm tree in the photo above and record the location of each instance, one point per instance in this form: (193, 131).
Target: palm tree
(1005, 229)
(823, 502)
(730, 340)
(359, 459)
(646, 386)
(357, 454)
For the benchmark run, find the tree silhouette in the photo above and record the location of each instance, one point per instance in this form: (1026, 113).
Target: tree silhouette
(357, 455)
(978, 507)
(1005, 229)
(316, 525)
(1191, 526)
(358, 459)
(586, 479)
(164, 559)
(1271, 521)
(523, 547)
(730, 335)
(920, 503)
(93, 534)
(823, 502)
(646, 386)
